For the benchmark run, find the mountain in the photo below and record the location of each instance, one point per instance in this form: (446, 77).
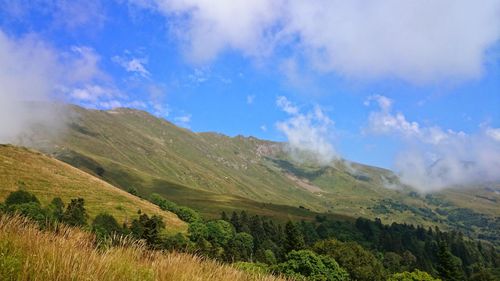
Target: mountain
(47, 178)
(212, 172)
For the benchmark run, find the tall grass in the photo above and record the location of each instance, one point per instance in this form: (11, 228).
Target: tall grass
(27, 253)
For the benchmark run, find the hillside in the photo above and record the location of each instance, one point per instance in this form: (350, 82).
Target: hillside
(212, 172)
(47, 178)
(26, 253)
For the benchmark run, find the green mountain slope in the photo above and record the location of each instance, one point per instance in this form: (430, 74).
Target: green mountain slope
(47, 178)
(213, 172)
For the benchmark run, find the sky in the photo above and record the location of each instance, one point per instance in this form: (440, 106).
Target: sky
(413, 86)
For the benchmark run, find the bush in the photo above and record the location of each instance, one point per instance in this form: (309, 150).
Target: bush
(21, 197)
(75, 214)
(105, 225)
(31, 210)
(305, 264)
(416, 275)
(184, 213)
(359, 262)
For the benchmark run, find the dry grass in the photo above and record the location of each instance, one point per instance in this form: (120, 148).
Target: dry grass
(27, 253)
(47, 178)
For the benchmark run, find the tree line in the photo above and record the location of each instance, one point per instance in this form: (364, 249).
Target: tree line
(323, 249)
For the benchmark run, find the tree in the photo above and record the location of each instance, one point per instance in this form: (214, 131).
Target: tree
(147, 228)
(177, 242)
(307, 264)
(20, 197)
(294, 238)
(187, 214)
(219, 232)
(235, 221)
(416, 275)
(75, 214)
(105, 225)
(30, 210)
(132, 190)
(448, 265)
(359, 262)
(56, 209)
(26, 204)
(197, 231)
(240, 248)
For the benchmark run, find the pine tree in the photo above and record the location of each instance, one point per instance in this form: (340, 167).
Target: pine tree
(75, 214)
(294, 238)
(448, 266)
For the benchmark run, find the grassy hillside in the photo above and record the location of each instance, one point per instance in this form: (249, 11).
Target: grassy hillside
(47, 178)
(26, 253)
(213, 172)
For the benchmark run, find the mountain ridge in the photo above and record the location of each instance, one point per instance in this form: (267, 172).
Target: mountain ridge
(212, 172)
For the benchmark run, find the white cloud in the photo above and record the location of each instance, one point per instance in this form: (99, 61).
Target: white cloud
(284, 104)
(134, 65)
(183, 120)
(418, 41)
(199, 75)
(94, 94)
(33, 71)
(436, 158)
(29, 72)
(309, 134)
(263, 128)
(493, 133)
(82, 64)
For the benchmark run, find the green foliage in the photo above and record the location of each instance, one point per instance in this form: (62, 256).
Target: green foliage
(184, 213)
(10, 261)
(179, 242)
(32, 210)
(252, 267)
(416, 275)
(220, 232)
(305, 264)
(240, 248)
(294, 237)
(187, 214)
(75, 214)
(20, 197)
(197, 231)
(359, 262)
(448, 265)
(133, 191)
(148, 228)
(56, 209)
(105, 225)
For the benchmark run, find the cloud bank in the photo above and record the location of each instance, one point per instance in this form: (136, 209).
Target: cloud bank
(28, 72)
(33, 75)
(309, 134)
(435, 158)
(417, 41)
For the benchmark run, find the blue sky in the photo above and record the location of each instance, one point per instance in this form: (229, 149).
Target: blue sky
(365, 82)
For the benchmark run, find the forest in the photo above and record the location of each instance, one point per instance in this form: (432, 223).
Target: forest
(323, 249)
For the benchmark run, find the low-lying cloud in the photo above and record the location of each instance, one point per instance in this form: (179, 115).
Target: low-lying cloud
(435, 158)
(309, 134)
(33, 76)
(417, 41)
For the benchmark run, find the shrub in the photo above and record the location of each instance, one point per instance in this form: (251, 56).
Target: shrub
(75, 214)
(305, 264)
(20, 197)
(105, 225)
(416, 275)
